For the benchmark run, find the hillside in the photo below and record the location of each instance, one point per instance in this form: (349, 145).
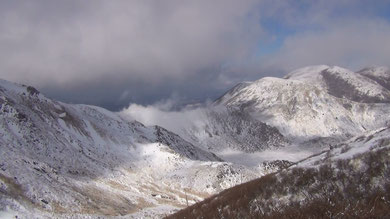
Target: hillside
(350, 180)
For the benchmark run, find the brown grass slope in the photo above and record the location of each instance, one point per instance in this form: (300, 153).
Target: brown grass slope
(352, 188)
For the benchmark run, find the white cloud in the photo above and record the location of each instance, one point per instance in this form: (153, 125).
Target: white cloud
(72, 41)
(352, 44)
(162, 114)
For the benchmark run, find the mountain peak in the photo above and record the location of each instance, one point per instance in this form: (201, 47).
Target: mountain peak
(306, 72)
(313, 73)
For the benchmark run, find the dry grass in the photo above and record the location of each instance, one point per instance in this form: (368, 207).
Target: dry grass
(58, 208)
(98, 201)
(13, 189)
(116, 185)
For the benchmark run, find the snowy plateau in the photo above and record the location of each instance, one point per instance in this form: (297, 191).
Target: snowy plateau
(61, 160)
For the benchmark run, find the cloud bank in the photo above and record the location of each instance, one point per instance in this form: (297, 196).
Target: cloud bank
(112, 53)
(162, 114)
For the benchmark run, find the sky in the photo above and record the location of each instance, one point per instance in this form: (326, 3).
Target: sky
(117, 53)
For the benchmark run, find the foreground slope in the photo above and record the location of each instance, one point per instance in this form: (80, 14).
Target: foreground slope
(350, 180)
(62, 159)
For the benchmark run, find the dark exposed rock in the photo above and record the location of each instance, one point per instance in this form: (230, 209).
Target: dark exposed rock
(32, 91)
(22, 117)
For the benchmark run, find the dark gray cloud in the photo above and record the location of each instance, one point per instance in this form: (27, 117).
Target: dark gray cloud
(117, 93)
(121, 46)
(111, 53)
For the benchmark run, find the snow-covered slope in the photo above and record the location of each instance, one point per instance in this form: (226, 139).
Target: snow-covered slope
(223, 129)
(343, 83)
(350, 180)
(232, 92)
(379, 74)
(58, 160)
(314, 102)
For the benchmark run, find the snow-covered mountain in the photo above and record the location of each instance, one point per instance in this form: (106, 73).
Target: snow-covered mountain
(64, 160)
(314, 102)
(314, 106)
(308, 110)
